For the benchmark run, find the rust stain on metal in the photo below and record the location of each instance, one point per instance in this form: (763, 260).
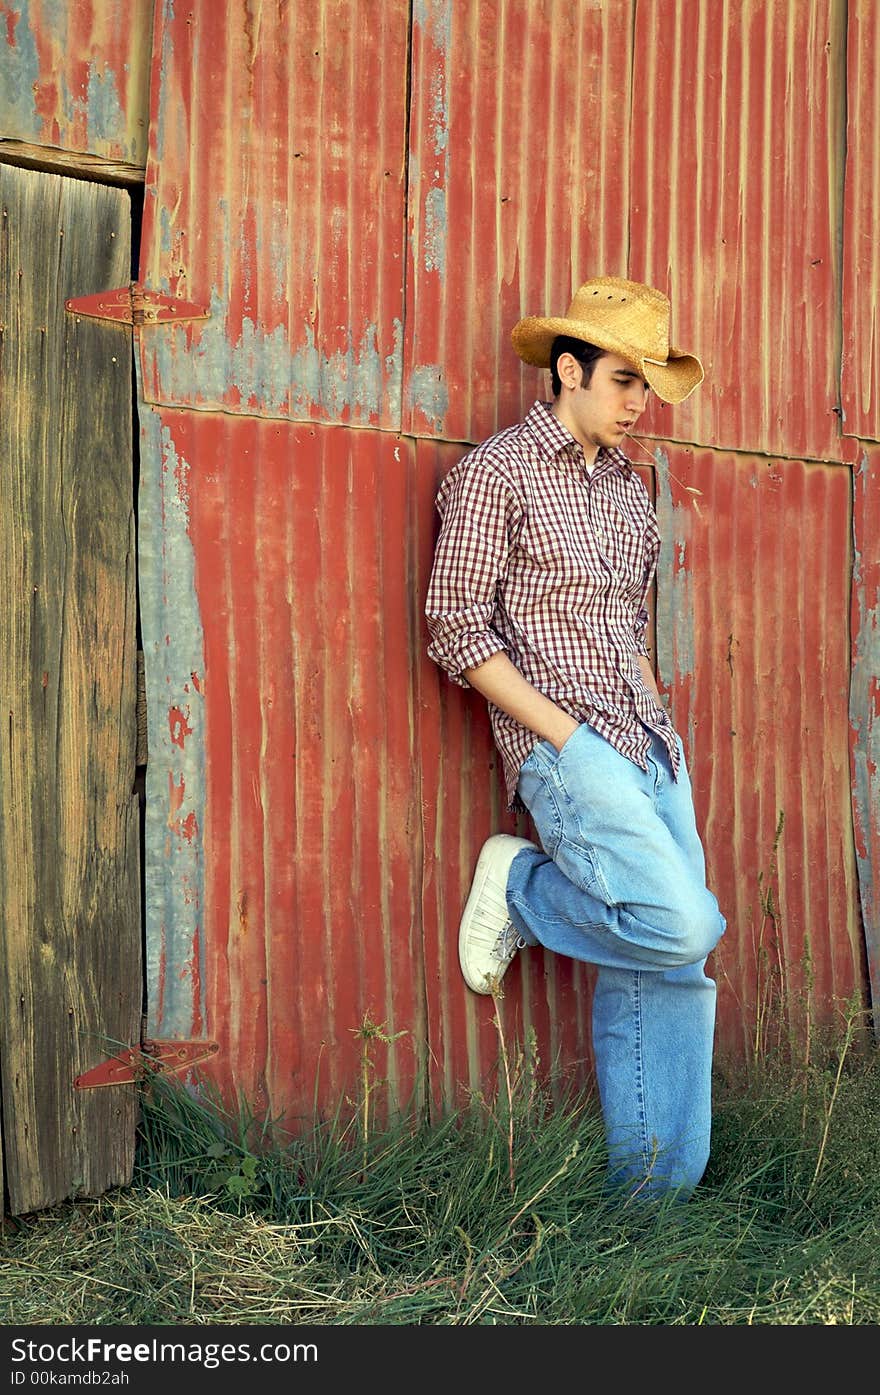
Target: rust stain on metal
(291, 233)
(173, 649)
(861, 247)
(179, 726)
(76, 77)
(511, 206)
(306, 766)
(734, 209)
(768, 735)
(242, 908)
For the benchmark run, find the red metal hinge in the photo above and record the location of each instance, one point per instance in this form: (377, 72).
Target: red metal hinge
(133, 305)
(151, 1057)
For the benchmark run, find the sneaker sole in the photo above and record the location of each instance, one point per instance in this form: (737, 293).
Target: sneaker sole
(483, 868)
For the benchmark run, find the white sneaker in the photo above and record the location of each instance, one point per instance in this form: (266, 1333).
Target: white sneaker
(487, 941)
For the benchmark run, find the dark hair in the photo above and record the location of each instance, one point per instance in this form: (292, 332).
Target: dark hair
(586, 355)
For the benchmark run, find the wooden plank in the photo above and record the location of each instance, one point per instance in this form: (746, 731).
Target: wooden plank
(70, 956)
(76, 164)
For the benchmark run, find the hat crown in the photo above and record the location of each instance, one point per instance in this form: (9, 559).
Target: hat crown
(622, 317)
(633, 313)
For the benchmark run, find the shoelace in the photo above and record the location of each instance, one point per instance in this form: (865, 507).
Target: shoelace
(508, 942)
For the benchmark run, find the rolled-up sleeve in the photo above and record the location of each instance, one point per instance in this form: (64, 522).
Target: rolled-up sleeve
(478, 512)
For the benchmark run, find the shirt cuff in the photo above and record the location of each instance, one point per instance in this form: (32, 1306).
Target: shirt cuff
(464, 656)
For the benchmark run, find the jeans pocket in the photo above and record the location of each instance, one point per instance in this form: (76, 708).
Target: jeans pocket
(570, 746)
(579, 861)
(548, 756)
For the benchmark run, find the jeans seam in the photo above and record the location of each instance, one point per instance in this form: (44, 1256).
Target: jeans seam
(640, 1070)
(559, 824)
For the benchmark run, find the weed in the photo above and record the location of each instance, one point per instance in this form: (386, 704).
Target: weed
(854, 1013)
(368, 1033)
(770, 992)
(236, 1174)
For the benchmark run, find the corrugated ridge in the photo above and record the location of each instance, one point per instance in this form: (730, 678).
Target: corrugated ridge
(751, 644)
(309, 827)
(747, 255)
(76, 77)
(275, 199)
(861, 293)
(524, 161)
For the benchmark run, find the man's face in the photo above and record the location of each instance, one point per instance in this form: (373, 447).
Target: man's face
(601, 414)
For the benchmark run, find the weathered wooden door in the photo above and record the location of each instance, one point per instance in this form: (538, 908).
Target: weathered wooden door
(70, 936)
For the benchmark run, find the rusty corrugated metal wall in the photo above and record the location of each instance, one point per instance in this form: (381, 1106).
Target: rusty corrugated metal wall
(366, 197)
(736, 193)
(756, 653)
(860, 401)
(510, 195)
(75, 77)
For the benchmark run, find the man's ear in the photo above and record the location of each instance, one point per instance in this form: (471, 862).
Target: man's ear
(569, 370)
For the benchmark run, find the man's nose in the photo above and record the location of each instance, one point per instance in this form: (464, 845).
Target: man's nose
(637, 397)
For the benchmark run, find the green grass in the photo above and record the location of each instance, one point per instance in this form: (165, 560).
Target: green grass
(495, 1215)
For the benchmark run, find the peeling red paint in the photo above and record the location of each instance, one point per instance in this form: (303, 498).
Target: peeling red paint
(46, 104)
(85, 68)
(310, 901)
(860, 301)
(297, 328)
(175, 797)
(748, 710)
(187, 828)
(181, 472)
(13, 19)
(865, 689)
(178, 725)
(199, 1027)
(473, 166)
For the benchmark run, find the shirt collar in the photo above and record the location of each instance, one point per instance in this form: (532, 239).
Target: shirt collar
(559, 446)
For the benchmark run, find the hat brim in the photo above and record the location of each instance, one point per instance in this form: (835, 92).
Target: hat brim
(672, 380)
(675, 379)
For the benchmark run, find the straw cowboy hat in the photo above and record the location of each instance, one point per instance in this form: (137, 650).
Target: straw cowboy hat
(624, 318)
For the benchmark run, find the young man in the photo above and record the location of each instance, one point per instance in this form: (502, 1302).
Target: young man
(547, 549)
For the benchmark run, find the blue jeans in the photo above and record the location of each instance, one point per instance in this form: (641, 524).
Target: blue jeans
(621, 884)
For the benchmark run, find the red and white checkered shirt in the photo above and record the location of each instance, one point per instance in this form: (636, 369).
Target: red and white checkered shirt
(549, 562)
